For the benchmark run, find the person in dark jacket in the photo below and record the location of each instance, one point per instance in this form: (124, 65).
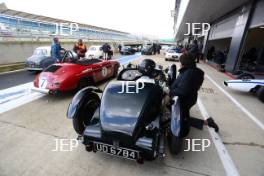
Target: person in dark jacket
(158, 48)
(193, 49)
(154, 48)
(200, 52)
(186, 87)
(119, 48)
(106, 49)
(219, 59)
(211, 53)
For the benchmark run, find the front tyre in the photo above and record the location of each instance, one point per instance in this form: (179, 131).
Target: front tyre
(175, 144)
(86, 112)
(260, 94)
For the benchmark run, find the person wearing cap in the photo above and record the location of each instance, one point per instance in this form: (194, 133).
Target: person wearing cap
(186, 87)
(56, 50)
(80, 49)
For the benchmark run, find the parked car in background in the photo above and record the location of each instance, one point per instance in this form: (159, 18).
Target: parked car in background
(147, 50)
(127, 50)
(172, 55)
(40, 59)
(95, 51)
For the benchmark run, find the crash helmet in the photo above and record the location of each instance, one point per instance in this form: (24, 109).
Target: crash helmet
(147, 67)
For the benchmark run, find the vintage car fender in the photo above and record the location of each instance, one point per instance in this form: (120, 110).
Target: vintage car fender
(244, 85)
(78, 100)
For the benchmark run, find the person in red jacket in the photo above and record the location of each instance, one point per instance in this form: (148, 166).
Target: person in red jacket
(80, 49)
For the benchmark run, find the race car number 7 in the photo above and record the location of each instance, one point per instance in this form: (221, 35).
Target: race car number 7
(43, 83)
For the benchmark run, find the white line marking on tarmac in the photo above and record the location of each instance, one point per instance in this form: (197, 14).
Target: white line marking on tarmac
(240, 106)
(14, 71)
(226, 160)
(16, 96)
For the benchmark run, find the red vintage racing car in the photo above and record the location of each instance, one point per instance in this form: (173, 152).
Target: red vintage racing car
(73, 74)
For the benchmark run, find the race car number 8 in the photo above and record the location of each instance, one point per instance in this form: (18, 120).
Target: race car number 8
(104, 71)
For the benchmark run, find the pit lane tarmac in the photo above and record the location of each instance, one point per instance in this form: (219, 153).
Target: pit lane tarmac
(29, 133)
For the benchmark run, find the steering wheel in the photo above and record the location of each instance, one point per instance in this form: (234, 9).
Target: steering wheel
(129, 74)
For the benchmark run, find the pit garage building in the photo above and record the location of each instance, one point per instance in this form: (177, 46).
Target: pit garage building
(237, 29)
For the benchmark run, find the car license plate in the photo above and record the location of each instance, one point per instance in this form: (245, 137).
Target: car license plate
(117, 151)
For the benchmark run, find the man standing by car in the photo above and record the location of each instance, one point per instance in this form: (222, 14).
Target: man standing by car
(56, 50)
(200, 51)
(193, 50)
(158, 48)
(119, 48)
(106, 48)
(80, 49)
(186, 87)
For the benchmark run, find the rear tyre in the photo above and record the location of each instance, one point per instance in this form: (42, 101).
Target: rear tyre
(175, 144)
(86, 112)
(260, 94)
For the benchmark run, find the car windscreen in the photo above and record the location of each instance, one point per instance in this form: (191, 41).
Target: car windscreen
(171, 51)
(52, 68)
(40, 52)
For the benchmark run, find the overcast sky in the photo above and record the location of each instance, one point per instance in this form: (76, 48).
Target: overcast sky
(151, 17)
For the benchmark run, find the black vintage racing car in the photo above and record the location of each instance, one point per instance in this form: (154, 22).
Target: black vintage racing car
(147, 50)
(128, 121)
(127, 50)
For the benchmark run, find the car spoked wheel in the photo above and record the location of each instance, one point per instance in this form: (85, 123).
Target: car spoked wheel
(260, 94)
(86, 113)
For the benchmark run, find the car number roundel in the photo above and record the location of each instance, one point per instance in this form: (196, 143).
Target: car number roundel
(104, 71)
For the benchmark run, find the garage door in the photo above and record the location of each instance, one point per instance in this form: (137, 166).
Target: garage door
(258, 15)
(224, 28)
